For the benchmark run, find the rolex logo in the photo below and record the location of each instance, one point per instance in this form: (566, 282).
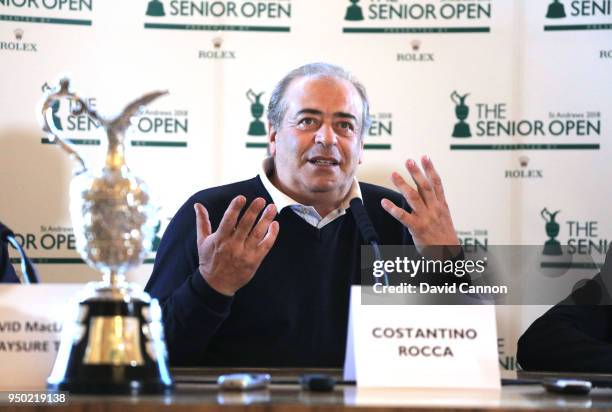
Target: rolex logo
(18, 45)
(415, 54)
(524, 172)
(217, 52)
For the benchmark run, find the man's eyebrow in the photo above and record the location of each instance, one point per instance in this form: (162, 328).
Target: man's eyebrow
(343, 114)
(320, 113)
(309, 111)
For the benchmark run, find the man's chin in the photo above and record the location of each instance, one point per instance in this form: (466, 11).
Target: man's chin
(323, 187)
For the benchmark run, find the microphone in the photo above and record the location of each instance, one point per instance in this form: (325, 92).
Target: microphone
(29, 273)
(367, 230)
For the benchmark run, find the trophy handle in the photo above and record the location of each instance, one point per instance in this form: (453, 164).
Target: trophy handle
(53, 132)
(455, 96)
(551, 216)
(251, 96)
(118, 125)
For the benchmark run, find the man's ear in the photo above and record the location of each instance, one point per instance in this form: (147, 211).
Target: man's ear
(271, 140)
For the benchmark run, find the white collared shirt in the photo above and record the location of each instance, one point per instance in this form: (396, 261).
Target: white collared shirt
(308, 213)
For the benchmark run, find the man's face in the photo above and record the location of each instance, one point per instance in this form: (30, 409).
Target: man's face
(319, 145)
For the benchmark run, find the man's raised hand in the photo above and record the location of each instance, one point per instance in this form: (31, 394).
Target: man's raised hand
(229, 257)
(430, 222)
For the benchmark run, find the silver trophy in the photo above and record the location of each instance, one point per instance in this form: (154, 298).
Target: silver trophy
(114, 342)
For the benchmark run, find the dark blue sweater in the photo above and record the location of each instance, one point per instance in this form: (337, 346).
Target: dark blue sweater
(293, 312)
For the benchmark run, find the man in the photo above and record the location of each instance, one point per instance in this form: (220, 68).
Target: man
(274, 291)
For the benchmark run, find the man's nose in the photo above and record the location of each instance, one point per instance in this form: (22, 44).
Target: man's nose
(326, 136)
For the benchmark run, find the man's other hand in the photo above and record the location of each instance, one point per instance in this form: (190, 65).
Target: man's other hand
(229, 258)
(430, 222)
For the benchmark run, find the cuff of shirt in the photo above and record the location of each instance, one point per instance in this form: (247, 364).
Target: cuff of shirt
(215, 300)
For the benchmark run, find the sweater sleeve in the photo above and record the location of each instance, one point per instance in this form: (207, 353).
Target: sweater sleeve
(567, 338)
(575, 335)
(192, 310)
(572, 336)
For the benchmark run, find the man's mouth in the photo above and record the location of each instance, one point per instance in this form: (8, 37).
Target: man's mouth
(323, 161)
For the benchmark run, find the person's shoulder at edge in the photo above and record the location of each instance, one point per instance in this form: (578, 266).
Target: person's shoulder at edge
(249, 187)
(574, 335)
(216, 199)
(372, 195)
(388, 228)
(370, 191)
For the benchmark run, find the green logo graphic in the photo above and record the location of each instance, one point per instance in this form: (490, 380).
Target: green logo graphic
(556, 10)
(552, 247)
(462, 129)
(353, 12)
(256, 128)
(155, 8)
(57, 122)
(157, 239)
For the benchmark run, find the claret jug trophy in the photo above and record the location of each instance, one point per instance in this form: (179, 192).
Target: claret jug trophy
(113, 341)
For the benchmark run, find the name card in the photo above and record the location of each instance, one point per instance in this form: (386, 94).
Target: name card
(421, 346)
(31, 318)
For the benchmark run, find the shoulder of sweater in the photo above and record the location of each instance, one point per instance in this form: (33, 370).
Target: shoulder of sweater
(371, 192)
(248, 188)
(391, 232)
(216, 199)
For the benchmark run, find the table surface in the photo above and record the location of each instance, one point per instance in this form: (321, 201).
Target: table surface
(195, 391)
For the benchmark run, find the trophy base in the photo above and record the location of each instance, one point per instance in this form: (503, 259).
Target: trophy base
(353, 13)
(462, 130)
(555, 11)
(155, 9)
(257, 128)
(552, 248)
(113, 344)
(114, 385)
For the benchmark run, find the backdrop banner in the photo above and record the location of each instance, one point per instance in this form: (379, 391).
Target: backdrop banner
(512, 99)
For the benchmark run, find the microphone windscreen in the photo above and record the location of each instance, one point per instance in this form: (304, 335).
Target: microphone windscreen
(363, 221)
(5, 232)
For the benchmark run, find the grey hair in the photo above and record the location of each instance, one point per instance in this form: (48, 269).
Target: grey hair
(278, 107)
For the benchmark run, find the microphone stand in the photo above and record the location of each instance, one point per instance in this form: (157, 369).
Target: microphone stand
(367, 231)
(27, 269)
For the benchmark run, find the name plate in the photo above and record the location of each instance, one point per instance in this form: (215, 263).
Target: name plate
(31, 318)
(421, 346)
